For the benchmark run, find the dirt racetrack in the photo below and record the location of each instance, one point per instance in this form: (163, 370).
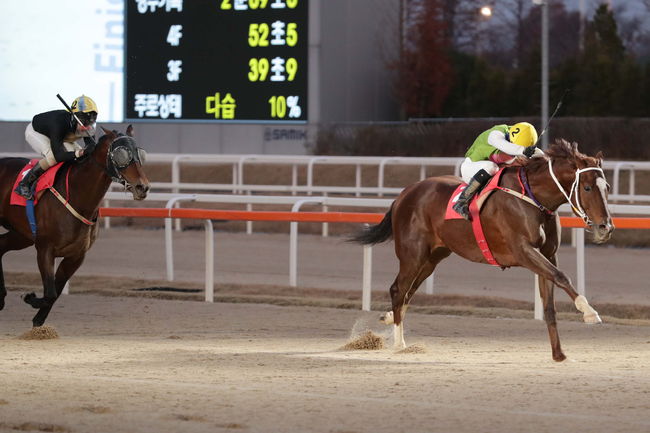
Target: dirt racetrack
(140, 364)
(149, 365)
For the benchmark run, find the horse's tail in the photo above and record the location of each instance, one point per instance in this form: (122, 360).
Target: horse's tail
(375, 234)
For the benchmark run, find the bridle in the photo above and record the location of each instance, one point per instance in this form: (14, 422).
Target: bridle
(577, 209)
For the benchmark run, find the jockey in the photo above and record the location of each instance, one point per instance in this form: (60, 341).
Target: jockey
(53, 134)
(498, 145)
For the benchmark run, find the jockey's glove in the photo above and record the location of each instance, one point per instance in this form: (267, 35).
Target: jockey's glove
(529, 151)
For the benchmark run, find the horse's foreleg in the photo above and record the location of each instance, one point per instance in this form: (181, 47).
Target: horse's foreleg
(66, 269)
(546, 293)
(536, 262)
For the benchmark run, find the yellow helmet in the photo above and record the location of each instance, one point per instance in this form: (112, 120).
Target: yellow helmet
(522, 134)
(83, 104)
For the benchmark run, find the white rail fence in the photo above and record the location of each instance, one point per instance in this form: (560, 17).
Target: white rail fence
(240, 163)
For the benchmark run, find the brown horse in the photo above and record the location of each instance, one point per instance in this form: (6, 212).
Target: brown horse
(518, 233)
(59, 232)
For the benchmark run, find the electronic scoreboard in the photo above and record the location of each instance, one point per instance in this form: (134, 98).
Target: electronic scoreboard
(216, 60)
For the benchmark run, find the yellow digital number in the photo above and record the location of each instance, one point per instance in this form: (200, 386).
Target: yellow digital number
(264, 35)
(292, 34)
(257, 4)
(292, 68)
(278, 106)
(225, 4)
(291, 4)
(258, 35)
(253, 35)
(259, 69)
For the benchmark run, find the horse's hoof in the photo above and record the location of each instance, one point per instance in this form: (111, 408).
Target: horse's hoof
(559, 357)
(592, 319)
(2, 304)
(387, 318)
(29, 298)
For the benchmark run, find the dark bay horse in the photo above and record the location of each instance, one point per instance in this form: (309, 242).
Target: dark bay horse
(518, 233)
(59, 232)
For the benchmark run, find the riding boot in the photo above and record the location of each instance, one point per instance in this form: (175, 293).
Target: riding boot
(26, 186)
(475, 184)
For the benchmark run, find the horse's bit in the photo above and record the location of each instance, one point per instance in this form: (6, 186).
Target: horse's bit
(577, 209)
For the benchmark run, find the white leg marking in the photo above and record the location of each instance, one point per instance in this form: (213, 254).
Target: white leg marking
(398, 336)
(589, 315)
(387, 318)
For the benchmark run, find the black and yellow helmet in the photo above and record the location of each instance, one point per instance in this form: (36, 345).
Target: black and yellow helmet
(83, 104)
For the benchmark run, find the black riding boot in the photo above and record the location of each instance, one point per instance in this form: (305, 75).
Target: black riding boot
(475, 184)
(26, 186)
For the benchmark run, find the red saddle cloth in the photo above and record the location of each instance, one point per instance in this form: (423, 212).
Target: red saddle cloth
(44, 182)
(475, 209)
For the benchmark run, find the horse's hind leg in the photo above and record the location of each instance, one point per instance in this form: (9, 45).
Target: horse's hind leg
(45, 259)
(66, 269)
(414, 269)
(546, 293)
(9, 241)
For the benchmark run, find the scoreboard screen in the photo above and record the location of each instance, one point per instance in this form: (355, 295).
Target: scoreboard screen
(216, 60)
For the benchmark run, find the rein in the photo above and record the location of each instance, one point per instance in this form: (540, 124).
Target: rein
(523, 179)
(577, 209)
(528, 195)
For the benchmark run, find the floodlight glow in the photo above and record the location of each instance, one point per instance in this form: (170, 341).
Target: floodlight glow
(486, 11)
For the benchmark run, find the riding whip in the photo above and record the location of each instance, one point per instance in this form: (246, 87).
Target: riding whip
(559, 104)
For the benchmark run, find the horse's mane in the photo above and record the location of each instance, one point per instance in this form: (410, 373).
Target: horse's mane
(560, 150)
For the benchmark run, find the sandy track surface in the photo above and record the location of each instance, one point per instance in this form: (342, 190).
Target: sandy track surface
(149, 365)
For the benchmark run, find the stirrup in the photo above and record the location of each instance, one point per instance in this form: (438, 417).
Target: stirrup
(24, 191)
(462, 210)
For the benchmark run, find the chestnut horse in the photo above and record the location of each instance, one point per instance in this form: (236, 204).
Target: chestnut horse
(59, 232)
(518, 233)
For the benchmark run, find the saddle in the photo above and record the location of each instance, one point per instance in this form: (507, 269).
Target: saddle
(479, 200)
(44, 182)
(475, 206)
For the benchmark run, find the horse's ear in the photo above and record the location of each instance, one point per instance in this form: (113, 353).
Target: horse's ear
(574, 146)
(129, 131)
(599, 157)
(106, 131)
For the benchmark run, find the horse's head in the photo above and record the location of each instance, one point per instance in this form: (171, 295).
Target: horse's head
(124, 161)
(582, 181)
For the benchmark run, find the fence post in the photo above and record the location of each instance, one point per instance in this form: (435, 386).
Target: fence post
(539, 310)
(209, 261)
(580, 259)
(293, 240)
(366, 287)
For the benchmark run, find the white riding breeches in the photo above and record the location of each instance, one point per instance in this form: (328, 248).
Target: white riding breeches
(469, 168)
(41, 144)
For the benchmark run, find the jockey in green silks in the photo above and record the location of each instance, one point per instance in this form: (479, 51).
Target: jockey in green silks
(498, 145)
